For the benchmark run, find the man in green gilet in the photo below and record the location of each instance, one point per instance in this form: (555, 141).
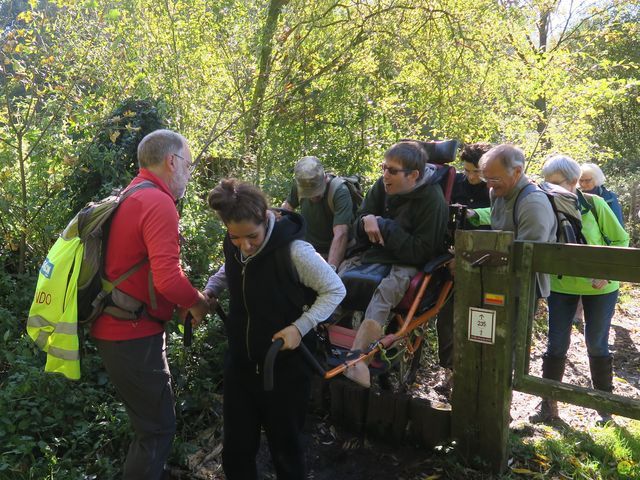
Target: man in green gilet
(328, 230)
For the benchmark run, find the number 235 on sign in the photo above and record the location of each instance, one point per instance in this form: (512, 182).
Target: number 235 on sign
(482, 325)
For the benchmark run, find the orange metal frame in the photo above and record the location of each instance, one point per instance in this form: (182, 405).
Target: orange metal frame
(407, 325)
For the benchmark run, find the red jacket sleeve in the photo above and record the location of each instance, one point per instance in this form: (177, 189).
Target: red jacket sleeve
(160, 234)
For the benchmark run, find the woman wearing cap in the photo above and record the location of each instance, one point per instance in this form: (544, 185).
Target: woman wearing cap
(279, 288)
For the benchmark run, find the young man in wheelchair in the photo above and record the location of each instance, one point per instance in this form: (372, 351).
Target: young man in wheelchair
(402, 224)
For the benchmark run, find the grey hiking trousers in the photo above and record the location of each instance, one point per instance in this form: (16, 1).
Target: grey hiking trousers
(140, 373)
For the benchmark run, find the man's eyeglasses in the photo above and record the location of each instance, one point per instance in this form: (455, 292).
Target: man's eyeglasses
(190, 165)
(392, 170)
(490, 179)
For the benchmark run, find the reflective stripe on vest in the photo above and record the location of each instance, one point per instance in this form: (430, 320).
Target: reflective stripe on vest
(61, 327)
(52, 322)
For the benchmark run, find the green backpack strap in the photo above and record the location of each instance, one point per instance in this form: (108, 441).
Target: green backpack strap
(121, 198)
(334, 184)
(129, 272)
(132, 270)
(138, 186)
(108, 286)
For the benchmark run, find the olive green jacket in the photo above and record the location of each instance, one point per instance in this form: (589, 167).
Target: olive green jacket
(413, 224)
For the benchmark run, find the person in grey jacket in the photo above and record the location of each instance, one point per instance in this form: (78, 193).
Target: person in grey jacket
(503, 170)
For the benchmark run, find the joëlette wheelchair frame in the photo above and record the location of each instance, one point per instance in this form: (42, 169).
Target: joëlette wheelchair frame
(407, 339)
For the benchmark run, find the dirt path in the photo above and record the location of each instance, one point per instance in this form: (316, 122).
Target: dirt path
(624, 342)
(336, 455)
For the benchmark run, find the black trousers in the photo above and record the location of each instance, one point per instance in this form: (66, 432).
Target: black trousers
(444, 327)
(140, 373)
(248, 408)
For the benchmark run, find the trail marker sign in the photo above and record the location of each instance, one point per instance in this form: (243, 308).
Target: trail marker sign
(482, 325)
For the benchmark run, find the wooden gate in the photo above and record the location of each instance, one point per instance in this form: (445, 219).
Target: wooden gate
(493, 317)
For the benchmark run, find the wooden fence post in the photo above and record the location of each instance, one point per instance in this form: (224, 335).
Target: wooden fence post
(481, 396)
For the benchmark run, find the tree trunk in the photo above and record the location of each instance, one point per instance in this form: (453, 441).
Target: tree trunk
(541, 102)
(264, 69)
(23, 197)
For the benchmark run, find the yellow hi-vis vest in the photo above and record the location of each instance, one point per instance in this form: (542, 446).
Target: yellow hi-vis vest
(71, 282)
(53, 317)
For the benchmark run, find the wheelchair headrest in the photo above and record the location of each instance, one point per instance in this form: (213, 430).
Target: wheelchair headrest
(441, 151)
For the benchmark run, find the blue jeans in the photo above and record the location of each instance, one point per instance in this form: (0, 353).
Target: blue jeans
(598, 311)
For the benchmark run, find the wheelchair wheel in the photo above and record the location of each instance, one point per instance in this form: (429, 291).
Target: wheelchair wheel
(402, 376)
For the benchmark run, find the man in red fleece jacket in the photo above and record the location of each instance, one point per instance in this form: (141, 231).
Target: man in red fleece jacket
(144, 230)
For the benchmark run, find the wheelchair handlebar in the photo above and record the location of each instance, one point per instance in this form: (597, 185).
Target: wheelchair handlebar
(270, 358)
(188, 330)
(313, 361)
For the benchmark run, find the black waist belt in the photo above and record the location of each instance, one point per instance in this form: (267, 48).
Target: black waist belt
(121, 314)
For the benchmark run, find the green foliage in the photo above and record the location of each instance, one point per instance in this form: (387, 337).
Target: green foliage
(611, 452)
(110, 160)
(57, 429)
(78, 430)
(198, 376)
(202, 233)
(52, 61)
(82, 82)
(617, 127)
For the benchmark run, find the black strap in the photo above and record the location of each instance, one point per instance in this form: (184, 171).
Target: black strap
(334, 184)
(118, 312)
(523, 193)
(591, 206)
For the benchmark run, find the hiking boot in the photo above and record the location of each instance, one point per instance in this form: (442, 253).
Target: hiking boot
(603, 418)
(553, 369)
(547, 412)
(602, 379)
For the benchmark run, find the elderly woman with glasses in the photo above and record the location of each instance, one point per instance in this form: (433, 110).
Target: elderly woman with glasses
(599, 297)
(591, 181)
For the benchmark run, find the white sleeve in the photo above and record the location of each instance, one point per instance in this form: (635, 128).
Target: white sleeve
(316, 274)
(217, 282)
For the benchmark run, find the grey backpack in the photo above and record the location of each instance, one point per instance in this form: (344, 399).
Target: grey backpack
(565, 207)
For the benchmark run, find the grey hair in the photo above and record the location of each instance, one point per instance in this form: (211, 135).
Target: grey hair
(593, 169)
(509, 155)
(156, 145)
(564, 165)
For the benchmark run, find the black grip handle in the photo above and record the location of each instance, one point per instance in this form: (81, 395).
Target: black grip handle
(188, 330)
(221, 313)
(269, 360)
(188, 325)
